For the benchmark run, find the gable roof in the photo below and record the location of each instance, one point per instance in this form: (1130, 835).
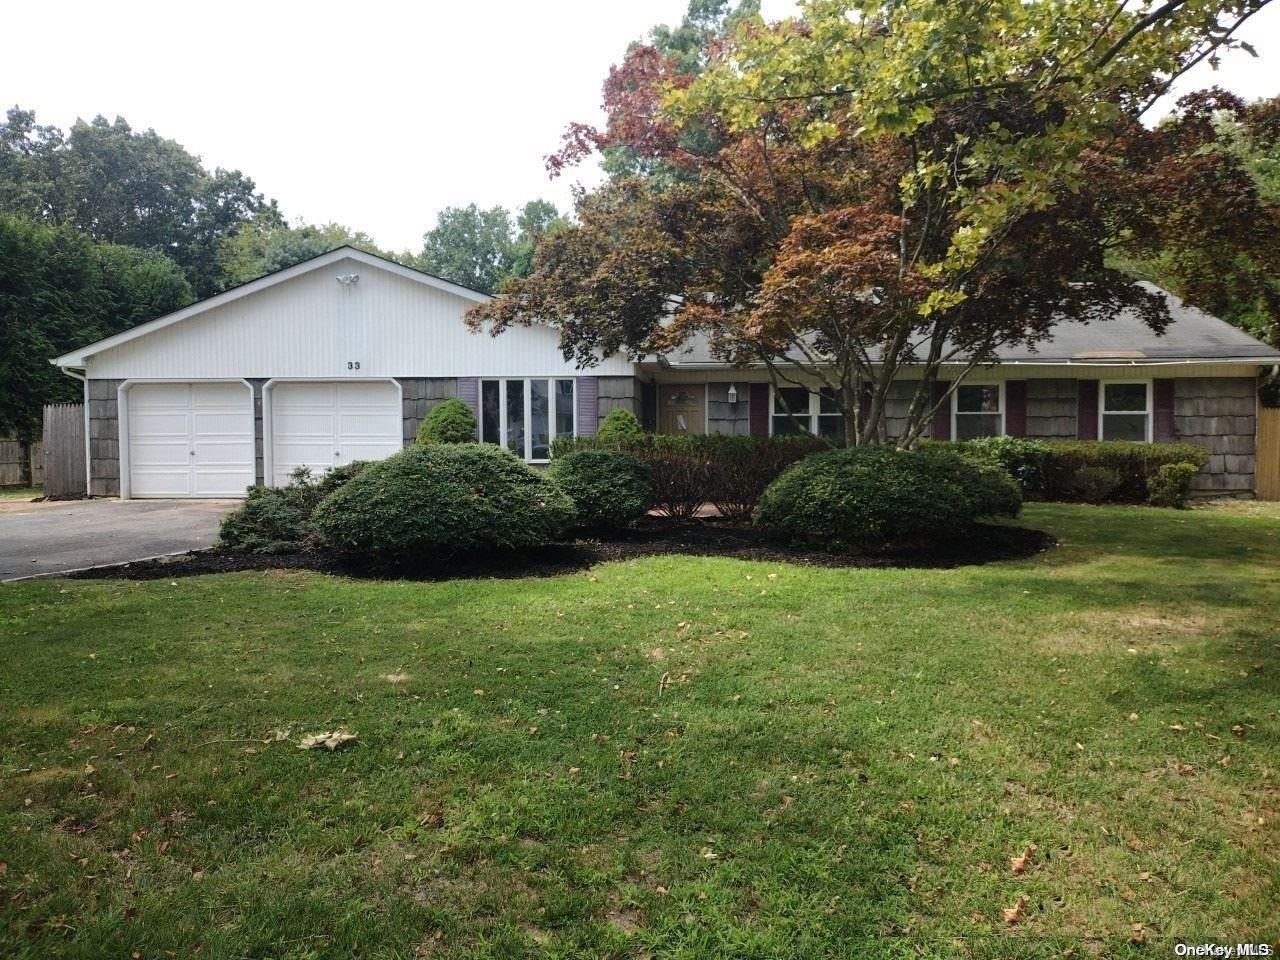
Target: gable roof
(1193, 335)
(77, 358)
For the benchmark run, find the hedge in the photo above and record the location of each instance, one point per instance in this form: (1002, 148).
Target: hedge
(687, 471)
(609, 489)
(1074, 471)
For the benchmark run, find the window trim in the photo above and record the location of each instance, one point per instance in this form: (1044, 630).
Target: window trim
(812, 414)
(1150, 412)
(955, 404)
(527, 454)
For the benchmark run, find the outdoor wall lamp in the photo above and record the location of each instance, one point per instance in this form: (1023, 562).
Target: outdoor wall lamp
(733, 393)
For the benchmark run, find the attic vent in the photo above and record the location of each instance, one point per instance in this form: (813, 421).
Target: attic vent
(347, 279)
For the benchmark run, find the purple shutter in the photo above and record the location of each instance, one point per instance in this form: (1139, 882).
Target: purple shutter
(469, 393)
(1087, 409)
(588, 391)
(1162, 425)
(1015, 413)
(758, 410)
(942, 415)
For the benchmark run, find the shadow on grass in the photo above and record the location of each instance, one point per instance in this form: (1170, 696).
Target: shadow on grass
(984, 543)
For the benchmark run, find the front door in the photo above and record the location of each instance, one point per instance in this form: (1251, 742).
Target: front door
(682, 408)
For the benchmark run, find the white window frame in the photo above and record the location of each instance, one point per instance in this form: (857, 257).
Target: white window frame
(527, 453)
(812, 414)
(955, 405)
(1150, 411)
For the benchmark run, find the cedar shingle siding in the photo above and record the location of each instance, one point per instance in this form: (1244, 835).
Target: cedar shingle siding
(615, 392)
(104, 439)
(419, 396)
(1219, 413)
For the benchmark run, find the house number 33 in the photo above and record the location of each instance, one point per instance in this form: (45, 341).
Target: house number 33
(353, 364)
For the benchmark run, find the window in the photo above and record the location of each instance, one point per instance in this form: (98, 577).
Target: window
(526, 415)
(978, 410)
(1125, 411)
(797, 410)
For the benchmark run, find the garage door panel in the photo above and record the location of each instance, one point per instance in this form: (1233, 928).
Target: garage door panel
(190, 439)
(323, 425)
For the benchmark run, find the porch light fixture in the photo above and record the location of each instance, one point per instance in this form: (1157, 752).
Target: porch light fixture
(733, 393)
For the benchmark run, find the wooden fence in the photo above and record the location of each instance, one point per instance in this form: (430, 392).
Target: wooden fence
(1268, 454)
(20, 465)
(64, 466)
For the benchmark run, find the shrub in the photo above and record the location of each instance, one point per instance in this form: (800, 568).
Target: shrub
(869, 496)
(1024, 460)
(619, 426)
(688, 471)
(433, 502)
(1171, 484)
(448, 422)
(609, 489)
(276, 520)
(1074, 468)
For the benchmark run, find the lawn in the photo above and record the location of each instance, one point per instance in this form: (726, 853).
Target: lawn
(20, 493)
(670, 757)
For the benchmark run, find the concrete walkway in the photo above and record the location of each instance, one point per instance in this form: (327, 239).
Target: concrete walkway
(44, 538)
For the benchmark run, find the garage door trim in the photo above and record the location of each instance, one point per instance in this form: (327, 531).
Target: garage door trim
(268, 440)
(122, 416)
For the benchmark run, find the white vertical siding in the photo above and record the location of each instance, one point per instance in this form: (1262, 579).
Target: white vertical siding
(313, 326)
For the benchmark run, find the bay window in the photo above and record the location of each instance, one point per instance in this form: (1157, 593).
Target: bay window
(1124, 412)
(525, 415)
(977, 410)
(797, 410)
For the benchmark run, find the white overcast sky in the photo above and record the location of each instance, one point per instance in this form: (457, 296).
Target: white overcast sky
(378, 114)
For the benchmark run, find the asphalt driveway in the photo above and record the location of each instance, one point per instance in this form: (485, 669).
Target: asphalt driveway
(40, 538)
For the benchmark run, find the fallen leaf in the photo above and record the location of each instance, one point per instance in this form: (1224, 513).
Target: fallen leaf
(332, 740)
(1019, 863)
(1013, 914)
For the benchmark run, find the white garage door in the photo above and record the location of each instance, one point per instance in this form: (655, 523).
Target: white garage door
(321, 424)
(190, 439)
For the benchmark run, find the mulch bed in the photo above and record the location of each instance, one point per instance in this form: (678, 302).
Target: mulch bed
(985, 543)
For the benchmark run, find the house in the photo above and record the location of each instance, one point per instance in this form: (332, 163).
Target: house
(340, 357)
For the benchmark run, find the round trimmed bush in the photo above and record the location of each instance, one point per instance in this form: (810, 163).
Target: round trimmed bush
(1171, 484)
(619, 426)
(432, 502)
(863, 497)
(448, 422)
(609, 490)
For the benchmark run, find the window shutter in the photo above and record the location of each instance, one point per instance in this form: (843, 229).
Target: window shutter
(1162, 426)
(469, 393)
(1015, 413)
(586, 389)
(1087, 409)
(941, 417)
(758, 410)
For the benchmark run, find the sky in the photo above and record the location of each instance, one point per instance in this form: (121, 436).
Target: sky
(376, 115)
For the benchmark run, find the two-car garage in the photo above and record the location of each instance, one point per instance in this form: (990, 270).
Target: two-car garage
(197, 439)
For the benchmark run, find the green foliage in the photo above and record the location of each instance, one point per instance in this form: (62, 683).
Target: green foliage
(433, 502)
(1079, 471)
(127, 187)
(610, 490)
(482, 248)
(862, 497)
(1269, 392)
(257, 249)
(688, 471)
(59, 290)
(619, 426)
(450, 421)
(275, 520)
(1171, 484)
(1110, 471)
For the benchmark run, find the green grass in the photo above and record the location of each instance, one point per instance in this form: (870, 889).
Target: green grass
(20, 493)
(671, 757)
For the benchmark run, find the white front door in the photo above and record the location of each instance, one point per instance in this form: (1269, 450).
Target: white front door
(324, 424)
(190, 439)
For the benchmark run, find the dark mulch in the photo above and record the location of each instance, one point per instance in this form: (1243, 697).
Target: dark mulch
(984, 543)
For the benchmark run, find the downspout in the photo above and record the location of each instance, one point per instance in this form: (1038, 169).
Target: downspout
(87, 459)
